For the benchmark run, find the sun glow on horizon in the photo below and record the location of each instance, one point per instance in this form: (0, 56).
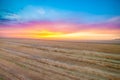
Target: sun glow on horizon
(51, 35)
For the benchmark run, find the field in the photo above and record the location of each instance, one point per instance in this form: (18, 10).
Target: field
(29, 59)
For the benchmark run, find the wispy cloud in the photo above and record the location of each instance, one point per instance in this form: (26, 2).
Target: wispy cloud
(35, 13)
(12, 17)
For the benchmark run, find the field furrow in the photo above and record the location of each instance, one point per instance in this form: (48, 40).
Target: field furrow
(43, 60)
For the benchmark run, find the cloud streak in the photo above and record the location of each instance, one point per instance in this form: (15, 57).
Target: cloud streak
(58, 22)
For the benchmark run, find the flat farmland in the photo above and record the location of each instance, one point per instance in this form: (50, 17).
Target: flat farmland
(30, 59)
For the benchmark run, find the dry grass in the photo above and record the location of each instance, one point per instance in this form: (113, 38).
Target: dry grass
(23, 59)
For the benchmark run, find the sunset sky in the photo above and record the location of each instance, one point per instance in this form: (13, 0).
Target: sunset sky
(60, 19)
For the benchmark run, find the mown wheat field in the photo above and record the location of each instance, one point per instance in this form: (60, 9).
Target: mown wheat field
(29, 59)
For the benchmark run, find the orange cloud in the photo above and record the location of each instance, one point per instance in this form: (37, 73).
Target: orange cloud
(59, 31)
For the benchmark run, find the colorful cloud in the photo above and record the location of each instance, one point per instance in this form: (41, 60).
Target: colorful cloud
(69, 21)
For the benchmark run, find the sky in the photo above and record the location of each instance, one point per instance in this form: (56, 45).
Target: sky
(60, 19)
